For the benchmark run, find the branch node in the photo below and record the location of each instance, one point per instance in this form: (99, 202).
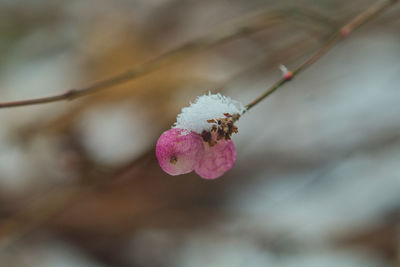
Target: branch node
(71, 94)
(286, 74)
(345, 31)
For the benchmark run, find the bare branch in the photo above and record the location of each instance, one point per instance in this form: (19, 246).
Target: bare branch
(356, 22)
(246, 26)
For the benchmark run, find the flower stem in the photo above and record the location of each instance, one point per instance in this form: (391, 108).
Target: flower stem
(356, 22)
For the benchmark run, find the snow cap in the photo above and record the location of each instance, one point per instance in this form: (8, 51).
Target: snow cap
(206, 107)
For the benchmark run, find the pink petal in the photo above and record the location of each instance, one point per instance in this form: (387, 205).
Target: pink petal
(217, 159)
(178, 152)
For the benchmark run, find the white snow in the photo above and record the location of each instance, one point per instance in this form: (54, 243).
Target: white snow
(212, 106)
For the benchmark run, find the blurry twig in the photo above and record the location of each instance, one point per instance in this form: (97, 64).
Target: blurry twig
(295, 50)
(245, 26)
(356, 22)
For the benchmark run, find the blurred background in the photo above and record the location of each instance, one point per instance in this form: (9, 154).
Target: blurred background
(317, 178)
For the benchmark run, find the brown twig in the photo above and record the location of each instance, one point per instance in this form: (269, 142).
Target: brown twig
(356, 22)
(246, 26)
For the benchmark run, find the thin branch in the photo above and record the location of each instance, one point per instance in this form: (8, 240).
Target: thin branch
(246, 26)
(356, 22)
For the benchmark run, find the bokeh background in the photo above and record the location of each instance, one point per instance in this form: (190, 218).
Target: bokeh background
(317, 179)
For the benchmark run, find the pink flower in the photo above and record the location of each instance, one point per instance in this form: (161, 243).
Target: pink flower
(179, 153)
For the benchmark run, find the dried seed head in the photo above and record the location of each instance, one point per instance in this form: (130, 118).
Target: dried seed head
(222, 127)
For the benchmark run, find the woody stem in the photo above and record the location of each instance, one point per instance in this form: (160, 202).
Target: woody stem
(347, 29)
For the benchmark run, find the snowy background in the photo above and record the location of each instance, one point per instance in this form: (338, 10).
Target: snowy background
(317, 179)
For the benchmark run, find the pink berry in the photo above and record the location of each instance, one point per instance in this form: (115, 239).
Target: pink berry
(216, 160)
(178, 152)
